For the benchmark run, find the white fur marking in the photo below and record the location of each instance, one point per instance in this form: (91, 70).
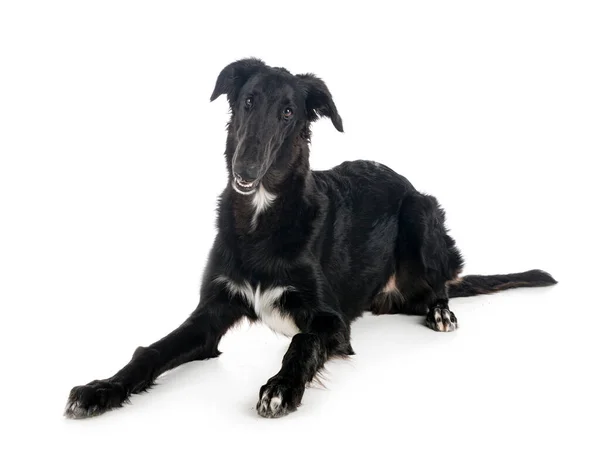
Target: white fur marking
(391, 287)
(264, 303)
(275, 403)
(261, 200)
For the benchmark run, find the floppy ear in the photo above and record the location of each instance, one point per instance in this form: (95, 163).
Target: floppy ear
(234, 76)
(319, 102)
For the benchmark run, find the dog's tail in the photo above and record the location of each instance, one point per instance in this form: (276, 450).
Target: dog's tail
(467, 286)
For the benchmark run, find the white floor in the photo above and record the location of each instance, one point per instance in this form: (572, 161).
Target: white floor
(112, 162)
(515, 381)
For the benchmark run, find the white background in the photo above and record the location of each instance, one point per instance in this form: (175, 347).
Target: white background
(111, 163)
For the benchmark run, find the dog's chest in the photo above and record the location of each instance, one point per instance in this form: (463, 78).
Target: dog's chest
(266, 303)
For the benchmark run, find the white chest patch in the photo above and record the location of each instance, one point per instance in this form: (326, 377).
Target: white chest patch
(265, 304)
(261, 200)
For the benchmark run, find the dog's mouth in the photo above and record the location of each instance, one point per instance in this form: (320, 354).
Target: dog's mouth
(245, 187)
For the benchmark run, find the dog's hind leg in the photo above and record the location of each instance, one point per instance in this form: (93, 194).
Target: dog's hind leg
(327, 336)
(427, 260)
(432, 304)
(197, 338)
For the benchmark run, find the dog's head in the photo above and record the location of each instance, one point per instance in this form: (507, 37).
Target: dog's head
(270, 109)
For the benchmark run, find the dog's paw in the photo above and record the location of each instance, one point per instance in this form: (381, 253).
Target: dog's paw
(441, 320)
(278, 398)
(93, 399)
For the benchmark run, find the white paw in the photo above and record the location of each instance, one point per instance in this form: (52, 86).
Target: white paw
(278, 398)
(441, 320)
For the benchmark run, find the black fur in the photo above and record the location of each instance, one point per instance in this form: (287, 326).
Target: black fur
(335, 243)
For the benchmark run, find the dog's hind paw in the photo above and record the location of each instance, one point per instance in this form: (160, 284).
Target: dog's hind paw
(94, 399)
(441, 320)
(278, 398)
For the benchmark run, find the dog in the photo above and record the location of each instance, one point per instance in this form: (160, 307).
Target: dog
(305, 252)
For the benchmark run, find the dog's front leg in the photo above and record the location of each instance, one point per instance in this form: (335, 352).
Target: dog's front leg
(327, 336)
(197, 338)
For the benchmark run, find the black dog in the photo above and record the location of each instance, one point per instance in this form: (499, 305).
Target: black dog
(306, 252)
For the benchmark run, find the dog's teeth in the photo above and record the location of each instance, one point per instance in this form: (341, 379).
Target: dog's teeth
(243, 184)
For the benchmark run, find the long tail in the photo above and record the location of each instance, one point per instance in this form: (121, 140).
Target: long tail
(467, 286)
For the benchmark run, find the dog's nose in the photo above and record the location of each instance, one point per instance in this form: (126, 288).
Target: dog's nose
(246, 172)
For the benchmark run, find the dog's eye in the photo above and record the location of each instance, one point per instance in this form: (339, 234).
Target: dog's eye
(249, 102)
(287, 113)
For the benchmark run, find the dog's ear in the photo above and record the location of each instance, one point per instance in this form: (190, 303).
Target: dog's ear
(319, 102)
(234, 76)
